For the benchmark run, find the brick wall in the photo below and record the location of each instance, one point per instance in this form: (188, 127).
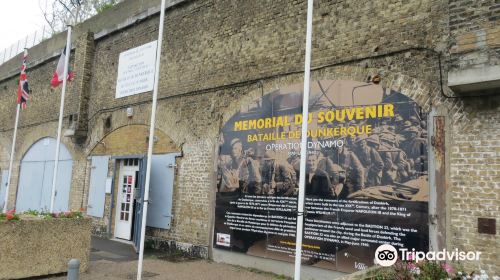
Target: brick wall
(475, 152)
(475, 180)
(219, 54)
(474, 32)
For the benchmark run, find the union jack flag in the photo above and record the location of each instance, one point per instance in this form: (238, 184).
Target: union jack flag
(23, 90)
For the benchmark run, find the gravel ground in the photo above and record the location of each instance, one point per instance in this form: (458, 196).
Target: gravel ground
(160, 269)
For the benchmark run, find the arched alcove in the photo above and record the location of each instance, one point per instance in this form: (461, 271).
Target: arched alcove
(36, 174)
(133, 140)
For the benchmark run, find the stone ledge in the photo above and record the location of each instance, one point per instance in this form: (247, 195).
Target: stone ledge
(483, 79)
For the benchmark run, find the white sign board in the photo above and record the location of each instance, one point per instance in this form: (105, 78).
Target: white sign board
(136, 70)
(109, 182)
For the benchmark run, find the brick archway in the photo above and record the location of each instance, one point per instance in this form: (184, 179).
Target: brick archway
(133, 140)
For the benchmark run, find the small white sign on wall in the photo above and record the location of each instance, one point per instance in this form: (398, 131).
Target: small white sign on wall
(136, 70)
(109, 182)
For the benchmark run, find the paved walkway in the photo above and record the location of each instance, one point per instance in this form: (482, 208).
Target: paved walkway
(115, 260)
(105, 249)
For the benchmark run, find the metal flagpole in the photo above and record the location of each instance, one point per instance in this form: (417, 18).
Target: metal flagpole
(151, 140)
(303, 144)
(11, 162)
(61, 111)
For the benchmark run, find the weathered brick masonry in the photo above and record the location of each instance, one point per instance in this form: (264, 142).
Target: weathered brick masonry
(475, 33)
(475, 151)
(219, 54)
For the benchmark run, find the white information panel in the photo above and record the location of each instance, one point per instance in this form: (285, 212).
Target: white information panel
(136, 70)
(109, 184)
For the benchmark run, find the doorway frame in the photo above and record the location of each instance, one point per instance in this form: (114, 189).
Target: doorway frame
(116, 160)
(134, 170)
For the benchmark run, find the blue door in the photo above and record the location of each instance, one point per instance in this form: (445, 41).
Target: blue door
(161, 191)
(3, 187)
(29, 192)
(35, 180)
(139, 194)
(63, 186)
(160, 194)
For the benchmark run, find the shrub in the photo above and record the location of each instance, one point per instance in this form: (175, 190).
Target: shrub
(11, 215)
(428, 270)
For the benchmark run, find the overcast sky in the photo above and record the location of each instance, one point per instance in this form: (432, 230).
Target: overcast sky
(18, 18)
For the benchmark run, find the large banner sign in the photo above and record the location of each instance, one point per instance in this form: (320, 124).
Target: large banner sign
(366, 181)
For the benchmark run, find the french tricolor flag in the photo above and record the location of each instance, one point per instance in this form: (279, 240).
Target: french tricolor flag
(57, 78)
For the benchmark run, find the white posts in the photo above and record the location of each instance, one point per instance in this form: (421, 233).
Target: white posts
(61, 111)
(303, 144)
(151, 140)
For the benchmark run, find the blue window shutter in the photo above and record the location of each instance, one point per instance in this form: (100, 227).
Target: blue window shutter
(161, 190)
(97, 190)
(3, 187)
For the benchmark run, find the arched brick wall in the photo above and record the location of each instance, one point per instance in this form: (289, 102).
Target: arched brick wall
(133, 140)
